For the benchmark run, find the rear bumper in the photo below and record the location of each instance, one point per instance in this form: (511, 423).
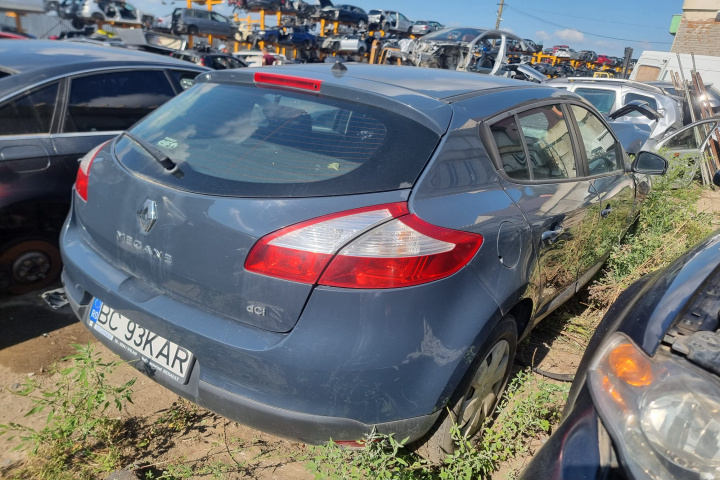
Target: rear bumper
(294, 425)
(355, 361)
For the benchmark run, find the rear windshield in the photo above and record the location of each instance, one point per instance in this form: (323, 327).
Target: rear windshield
(260, 142)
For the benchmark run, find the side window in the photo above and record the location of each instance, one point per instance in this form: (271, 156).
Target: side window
(30, 113)
(601, 99)
(548, 143)
(114, 101)
(218, 18)
(509, 144)
(600, 146)
(690, 138)
(183, 79)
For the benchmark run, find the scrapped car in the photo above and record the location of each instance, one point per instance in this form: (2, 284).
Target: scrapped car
(345, 43)
(588, 56)
(207, 56)
(422, 27)
(192, 21)
(152, 42)
(254, 58)
(299, 36)
(465, 49)
(110, 11)
(269, 35)
(608, 95)
(57, 102)
(344, 248)
(389, 21)
(348, 14)
(644, 403)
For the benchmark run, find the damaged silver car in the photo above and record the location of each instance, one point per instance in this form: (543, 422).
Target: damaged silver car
(466, 49)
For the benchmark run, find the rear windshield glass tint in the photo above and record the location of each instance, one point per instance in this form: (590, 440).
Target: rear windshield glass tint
(249, 141)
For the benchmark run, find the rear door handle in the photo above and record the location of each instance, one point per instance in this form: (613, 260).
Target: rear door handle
(606, 211)
(551, 235)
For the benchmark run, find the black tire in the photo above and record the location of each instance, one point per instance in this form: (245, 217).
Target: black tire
(272, 39)
(192, 30)
(306, 44)
(78, 24)
(29, 264)
(499, 349)
(98, 17)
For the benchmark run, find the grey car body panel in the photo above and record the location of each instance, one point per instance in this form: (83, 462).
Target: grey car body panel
(419, 354)
(350, 358)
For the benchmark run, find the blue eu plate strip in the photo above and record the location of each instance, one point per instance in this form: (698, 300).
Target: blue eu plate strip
(95, 312)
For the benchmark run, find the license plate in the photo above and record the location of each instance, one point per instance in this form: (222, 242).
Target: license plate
(159, 355)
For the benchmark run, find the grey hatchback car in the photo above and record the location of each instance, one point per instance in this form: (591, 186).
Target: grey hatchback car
(326, 250)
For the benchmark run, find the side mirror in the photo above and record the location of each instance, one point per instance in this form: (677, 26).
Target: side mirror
(649, 163)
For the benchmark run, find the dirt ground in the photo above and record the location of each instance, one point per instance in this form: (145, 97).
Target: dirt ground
(34, 337)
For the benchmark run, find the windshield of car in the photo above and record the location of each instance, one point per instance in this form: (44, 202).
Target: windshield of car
(249, 141)
(454, 34)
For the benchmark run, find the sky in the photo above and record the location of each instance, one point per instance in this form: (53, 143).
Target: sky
(605, 27)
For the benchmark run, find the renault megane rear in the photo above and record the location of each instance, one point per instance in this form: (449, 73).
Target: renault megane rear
(319, 251)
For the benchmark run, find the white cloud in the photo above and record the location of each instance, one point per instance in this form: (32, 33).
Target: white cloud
(542, 35)
(570, 35)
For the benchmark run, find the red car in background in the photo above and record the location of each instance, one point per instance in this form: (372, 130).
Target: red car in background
(604, 60)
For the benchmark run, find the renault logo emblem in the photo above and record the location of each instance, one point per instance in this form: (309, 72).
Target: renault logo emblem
(147, 215)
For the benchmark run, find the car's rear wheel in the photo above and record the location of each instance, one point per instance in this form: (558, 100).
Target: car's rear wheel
(478, 395)
(98, 17)
(192, 30)
(29, 264)
(272, 39)
(78, 23)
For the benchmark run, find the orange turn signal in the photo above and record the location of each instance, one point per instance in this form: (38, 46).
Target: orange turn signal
(630, 365)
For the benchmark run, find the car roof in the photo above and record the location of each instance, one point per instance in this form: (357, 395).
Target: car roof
(31, 61)
(432, 83)
(609, 82)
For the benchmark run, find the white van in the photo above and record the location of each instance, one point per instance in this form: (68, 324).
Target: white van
(654, 66)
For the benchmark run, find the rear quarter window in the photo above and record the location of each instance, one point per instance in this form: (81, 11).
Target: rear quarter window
(250, 141)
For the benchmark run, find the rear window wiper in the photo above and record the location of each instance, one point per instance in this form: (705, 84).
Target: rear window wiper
(167, 163)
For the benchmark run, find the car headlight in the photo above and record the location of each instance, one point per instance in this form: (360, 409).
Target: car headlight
(662, 412)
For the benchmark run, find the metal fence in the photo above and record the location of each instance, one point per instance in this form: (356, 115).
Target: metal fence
(38, 25)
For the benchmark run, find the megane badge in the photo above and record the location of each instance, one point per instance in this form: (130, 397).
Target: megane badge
(147, 215)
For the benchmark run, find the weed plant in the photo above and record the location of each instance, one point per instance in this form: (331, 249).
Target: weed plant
(80, 432)
(528, 409)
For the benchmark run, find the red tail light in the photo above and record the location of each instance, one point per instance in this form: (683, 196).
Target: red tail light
(374, 247)
(81, 180)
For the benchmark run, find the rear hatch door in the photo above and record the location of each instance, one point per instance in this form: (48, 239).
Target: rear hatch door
(240, 162)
